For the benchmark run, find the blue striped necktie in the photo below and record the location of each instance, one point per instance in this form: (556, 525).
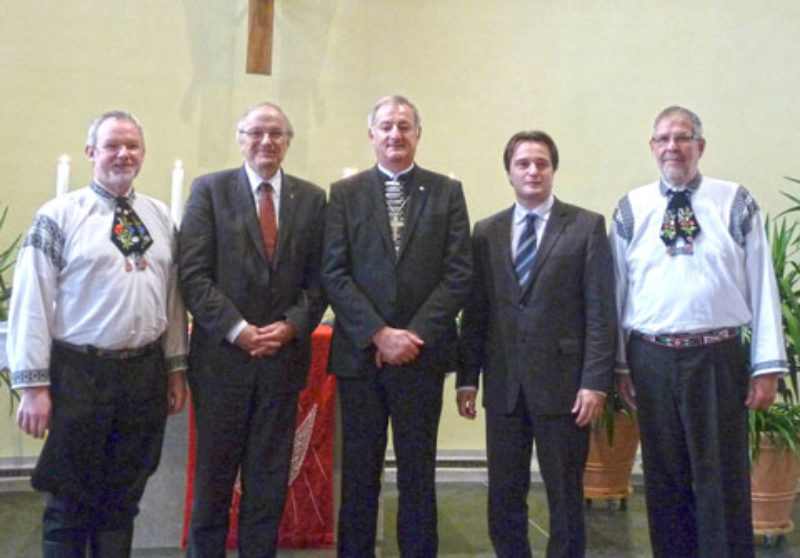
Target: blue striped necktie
(526, 250)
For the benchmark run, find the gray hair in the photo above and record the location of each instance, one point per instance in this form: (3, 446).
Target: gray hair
(246, 113)
(394, 100)
(91, 136)
(697, 126)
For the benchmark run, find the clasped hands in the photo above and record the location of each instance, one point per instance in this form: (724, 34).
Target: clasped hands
(396, 346)
(267, 340)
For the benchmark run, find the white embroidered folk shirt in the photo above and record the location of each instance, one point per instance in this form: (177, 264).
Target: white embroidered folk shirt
(728, 280)
(71, 285)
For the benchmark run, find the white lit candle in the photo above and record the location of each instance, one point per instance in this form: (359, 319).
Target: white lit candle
(176, 192)
(62, 176)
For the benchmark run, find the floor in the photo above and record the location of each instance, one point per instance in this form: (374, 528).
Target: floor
(611, 532)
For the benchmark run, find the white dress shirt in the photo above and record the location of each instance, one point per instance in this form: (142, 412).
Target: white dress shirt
(542, 212)
(71, 285)
(727, 282)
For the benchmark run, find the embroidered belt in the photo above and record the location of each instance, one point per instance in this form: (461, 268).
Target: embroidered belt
(115, 354)
(683, 340)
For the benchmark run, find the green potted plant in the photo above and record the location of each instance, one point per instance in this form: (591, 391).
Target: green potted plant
(7, 258)
(775, 432)
(613, 442)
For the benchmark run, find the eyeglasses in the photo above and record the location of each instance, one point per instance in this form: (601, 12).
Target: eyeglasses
(681, 139)
(258, 135)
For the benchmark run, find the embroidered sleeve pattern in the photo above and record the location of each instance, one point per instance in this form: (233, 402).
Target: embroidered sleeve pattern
(30, 378)
(45, 235)
(743, 209)
(623, 219)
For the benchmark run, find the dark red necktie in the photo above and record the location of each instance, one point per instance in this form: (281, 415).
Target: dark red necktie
(266, 216)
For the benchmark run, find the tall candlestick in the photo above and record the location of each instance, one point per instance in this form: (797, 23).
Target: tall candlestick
(62, 176)
(176, 193)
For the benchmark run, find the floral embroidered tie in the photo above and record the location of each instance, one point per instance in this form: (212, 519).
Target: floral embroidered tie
(130, 235)
(679, 222)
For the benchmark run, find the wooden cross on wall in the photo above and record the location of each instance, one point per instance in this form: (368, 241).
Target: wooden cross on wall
(259, 37)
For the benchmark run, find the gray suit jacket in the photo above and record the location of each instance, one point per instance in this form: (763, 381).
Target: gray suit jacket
(422, 288)
(225, 276)
(555, 336)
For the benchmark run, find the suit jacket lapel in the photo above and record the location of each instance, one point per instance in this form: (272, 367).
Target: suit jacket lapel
(375, 188)
(417, 196)
(244, 208)
(500, 249)
(285, 219)
(552, 232)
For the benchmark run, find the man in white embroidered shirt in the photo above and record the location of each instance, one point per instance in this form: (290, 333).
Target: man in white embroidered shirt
(98, 341)
(693, 267)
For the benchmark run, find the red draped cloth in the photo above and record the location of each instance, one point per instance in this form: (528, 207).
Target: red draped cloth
(308, 516)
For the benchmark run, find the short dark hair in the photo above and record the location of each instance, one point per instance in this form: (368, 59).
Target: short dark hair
(536, 136)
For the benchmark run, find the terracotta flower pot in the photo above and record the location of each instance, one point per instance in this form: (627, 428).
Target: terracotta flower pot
(773, 487)
(608, 468)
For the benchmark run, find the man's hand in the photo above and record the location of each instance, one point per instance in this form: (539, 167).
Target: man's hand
(396, 346)
(588, 406)
(274, 336)
(176, 392)
(265, 341)
(762, 391)
(465, 399)
(626, 390)
(35, 407)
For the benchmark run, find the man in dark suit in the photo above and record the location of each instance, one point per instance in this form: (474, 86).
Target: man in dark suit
(396, 269)
(251, 242)
(539, 323)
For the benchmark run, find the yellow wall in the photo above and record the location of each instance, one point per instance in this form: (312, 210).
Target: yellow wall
(593, 74)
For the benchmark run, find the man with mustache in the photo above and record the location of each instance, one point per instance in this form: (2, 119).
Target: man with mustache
(97, 339)
(693, 267)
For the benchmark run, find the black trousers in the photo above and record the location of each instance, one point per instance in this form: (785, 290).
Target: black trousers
(413, 399)
(561, 450)
(243, 426)
(693, 424)
(105, 438)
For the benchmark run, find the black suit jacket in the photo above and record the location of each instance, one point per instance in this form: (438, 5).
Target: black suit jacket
(555, 336)
(225, 276)
(421, 289)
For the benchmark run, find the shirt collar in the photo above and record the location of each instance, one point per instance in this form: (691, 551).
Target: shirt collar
(107, 194)
(692, 185)
(392, 175)
(542, 211)
(256, 179)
